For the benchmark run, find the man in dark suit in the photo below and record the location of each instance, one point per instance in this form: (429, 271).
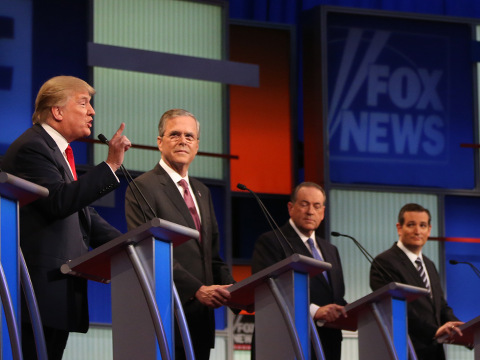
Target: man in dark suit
(200, 275)
(428, 317)
(307, 210)
(62, 226)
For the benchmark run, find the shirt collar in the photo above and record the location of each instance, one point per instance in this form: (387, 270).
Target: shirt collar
(300, 234)
(173, 174)
(411, 255)
(56, 136)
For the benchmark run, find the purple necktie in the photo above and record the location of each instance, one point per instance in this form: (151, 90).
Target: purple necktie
(191, 206)
(316, 255)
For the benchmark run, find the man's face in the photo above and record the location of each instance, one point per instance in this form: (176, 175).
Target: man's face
(74, 119)
(179, 143)
(308, 210)
(415, 230)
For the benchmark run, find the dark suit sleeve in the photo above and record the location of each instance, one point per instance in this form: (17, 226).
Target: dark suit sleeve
(267, 251)
(37, 163)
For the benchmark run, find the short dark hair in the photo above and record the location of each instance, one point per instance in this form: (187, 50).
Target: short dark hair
(293, 196)
(412, 207)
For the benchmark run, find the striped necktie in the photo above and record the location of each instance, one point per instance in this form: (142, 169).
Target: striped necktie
(422, 273)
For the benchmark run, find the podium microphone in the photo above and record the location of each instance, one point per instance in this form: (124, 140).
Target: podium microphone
(270, 220)
(130, 180)
(475, 270)
(381, 270)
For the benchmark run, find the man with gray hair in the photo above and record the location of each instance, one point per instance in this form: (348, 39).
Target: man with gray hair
(200, 275)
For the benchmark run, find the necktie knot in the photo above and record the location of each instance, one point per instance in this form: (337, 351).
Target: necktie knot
(71, 160)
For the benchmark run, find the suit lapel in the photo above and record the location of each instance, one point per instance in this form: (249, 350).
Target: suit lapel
(171, 191)
(57, 155)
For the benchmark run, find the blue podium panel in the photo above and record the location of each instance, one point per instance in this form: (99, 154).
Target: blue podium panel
(301, 296)
(399, 327)
(9, 245)
(164, 291)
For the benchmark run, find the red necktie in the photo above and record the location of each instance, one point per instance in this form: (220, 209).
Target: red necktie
(71, 160)
(191, 206)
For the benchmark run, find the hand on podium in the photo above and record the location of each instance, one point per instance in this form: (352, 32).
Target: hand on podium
(213, 296)
(449, 328)
(329, 313)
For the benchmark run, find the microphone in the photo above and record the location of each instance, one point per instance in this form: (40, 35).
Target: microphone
(130, 180)
(270, 221)
(381, 270)
(475, 270)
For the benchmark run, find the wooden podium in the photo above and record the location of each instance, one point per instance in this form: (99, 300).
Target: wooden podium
(14, 193)
(381, 320)
(279, 295)
(139, 266)
(470, 338)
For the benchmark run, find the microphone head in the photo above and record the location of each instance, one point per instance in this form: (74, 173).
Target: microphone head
(334, 233)
(453, 262)
(102, 138)
(240, 186)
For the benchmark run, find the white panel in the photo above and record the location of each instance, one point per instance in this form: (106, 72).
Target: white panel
(370, 217)
(95, 344)
(177, 27)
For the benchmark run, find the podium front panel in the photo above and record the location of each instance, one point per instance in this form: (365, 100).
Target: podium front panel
(9, 257)
(135, 336)
(272, 339)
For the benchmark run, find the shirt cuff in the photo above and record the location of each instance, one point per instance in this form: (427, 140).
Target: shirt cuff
(313, 311)
(113, 172)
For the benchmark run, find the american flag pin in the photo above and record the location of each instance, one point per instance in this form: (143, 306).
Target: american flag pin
(199, 194)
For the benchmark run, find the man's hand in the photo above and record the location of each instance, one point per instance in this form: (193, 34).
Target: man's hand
(449, 328)
(117, 146)
(213, 296)
(330, 312)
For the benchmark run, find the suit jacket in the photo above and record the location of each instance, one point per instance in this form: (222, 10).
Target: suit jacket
(268, 251)
(58, 228)
(194, 264)
(425, 315)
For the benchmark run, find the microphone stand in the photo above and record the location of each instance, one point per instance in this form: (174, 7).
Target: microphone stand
(475, 270)
(381, 270)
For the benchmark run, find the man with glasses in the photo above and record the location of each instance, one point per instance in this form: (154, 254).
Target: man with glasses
(200, 275)
(307, 210)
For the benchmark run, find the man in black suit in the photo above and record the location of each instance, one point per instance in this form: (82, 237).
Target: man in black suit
(428, 317)
(62, 226)
(307, 210)
(200, 275)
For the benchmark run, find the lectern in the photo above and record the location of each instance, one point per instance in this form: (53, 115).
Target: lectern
(470, 338)
(381, 320)
(279, 295)
(14, 193)
(139, 266)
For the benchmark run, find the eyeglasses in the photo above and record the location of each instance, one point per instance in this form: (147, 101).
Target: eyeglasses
(177, 136)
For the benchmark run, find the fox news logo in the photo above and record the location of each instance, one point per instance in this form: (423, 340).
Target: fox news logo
(384, 103)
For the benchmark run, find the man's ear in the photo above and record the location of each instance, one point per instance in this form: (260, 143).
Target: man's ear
(57, 113)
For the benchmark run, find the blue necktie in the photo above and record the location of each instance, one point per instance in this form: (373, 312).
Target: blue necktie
(316, 254)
